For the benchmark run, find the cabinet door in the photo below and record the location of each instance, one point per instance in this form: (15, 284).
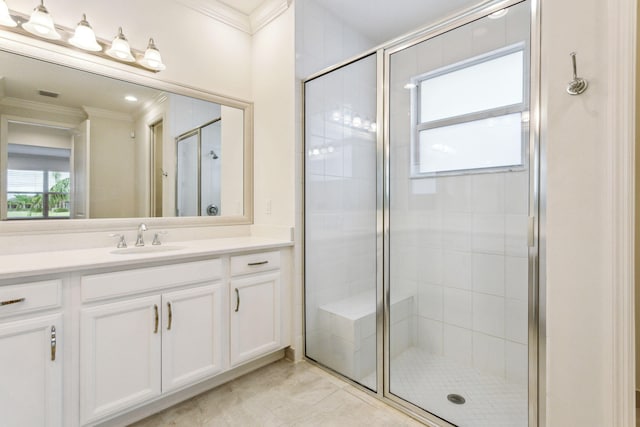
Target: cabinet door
(255, 316)
(31, 390)
(193, 324)
(119, 356)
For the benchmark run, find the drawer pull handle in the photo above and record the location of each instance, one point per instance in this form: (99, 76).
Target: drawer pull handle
(170, 316)
(155, 329)
(12, 301)
(253, 264)
(53, 343)
(237, 300)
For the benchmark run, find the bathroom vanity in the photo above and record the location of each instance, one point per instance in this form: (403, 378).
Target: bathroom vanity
(108, 336)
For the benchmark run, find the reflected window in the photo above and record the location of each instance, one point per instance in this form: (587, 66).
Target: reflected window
(38, 182)
(471, 115)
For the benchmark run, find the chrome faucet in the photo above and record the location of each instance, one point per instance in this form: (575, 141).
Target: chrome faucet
(140, 240)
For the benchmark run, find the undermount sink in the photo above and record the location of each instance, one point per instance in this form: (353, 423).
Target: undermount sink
(145, 249)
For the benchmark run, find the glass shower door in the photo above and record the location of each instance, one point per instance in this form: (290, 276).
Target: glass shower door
(341, 221)
(458, 222)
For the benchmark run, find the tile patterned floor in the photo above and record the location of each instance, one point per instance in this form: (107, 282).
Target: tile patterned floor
(282, 394)
(427, 379)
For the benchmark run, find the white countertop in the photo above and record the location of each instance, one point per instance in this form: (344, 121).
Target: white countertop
(36, 263)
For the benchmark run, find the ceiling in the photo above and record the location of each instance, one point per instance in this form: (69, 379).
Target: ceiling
(384, 20)
(22, 78)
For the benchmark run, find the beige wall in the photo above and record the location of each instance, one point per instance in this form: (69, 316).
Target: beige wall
(274, 145)
(112, 167)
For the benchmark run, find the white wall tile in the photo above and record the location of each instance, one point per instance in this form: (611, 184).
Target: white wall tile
(517, 363)
(517, 193)
(457, 269)
(430, 335)
(488, 314)
(516, 232)
(517, 277)
(431, 301)
(429, 265)
(488, 274)
(488, 193)
(458, 344)
(457, 307)
(457, 232)
(400, 336)
(488, 233)
(517, 316)
(455, 193)
(489, 354)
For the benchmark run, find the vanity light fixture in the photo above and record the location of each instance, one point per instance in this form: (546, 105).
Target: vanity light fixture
(152, 59)
(5, 18)
(84, 37)
(120, 48)
(41, 23)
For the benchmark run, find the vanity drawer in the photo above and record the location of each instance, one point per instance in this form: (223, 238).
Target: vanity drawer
(121, 283)
(254, 263)
(27, 297)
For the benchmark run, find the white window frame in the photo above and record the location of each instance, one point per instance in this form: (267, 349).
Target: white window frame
(522, 107)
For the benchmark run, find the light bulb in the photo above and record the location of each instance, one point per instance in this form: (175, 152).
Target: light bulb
(84, 37)
(41, 23)
(152, 59)
(120, 48)
(5, 18)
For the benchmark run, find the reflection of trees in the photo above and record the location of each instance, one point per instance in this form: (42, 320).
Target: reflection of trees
(21, 201)
(58, 198)
(60, 191)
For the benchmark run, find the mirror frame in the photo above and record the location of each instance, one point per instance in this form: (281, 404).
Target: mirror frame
(78, 60)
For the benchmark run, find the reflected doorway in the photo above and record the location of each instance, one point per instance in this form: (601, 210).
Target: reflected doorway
(157, 172)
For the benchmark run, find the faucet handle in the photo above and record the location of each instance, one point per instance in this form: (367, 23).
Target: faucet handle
(122, 243)
(156, 237)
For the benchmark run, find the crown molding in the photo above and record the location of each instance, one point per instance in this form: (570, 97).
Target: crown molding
(107, 114)
(220, 12)
(250, 24)
(43, 107)
(267, 12)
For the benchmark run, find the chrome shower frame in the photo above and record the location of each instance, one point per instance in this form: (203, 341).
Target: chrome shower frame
(537, 214)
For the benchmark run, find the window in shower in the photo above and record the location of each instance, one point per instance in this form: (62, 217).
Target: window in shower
(469, 115)
(459, 266)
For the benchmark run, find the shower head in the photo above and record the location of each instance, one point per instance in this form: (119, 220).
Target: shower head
(213, 155)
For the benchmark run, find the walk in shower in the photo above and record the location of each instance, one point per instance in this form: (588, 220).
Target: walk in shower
(420, 205)
(198, 185)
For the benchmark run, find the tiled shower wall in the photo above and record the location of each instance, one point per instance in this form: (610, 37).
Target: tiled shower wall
(459, 243)
(340, 218)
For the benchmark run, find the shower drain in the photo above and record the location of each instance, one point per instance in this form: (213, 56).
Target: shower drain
(456, 398)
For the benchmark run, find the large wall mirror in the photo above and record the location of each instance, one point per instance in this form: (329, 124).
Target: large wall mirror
(79, 145)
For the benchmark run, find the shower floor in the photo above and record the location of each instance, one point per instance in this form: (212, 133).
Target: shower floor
(425, 380)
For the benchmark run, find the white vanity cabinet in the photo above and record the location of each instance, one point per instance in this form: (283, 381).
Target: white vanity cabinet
(135, 349)
(254, 305)
(31, 354)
